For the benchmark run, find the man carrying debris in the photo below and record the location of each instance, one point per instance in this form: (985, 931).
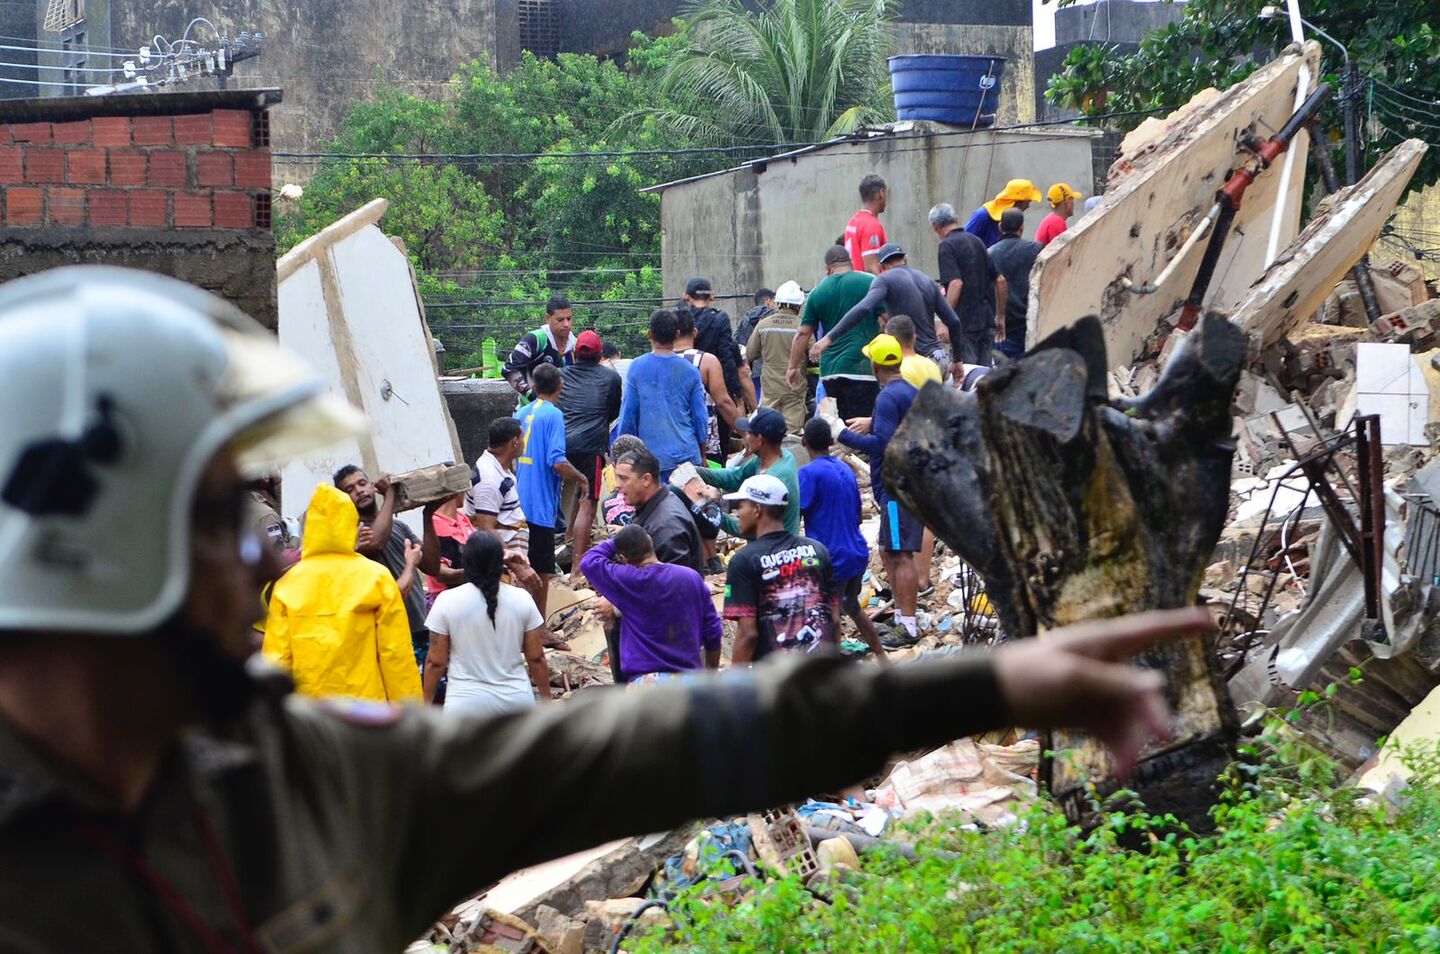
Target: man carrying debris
(540, 468)
(901, 533)
(664, 402)
(903, 290)
(551, 343)
(764, 435)
(668, 622)
(1062, 206)
(780, 587)
(968, 277)
(830, 500)
(864, 235)
(772, 341)
(197, 806)
(387, 541)
(1013, 257)
(590, 401)
(337, 621)
(843, 369)
(985, 223)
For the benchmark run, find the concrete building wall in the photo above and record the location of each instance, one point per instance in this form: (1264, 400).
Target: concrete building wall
(177, 184)
(327, 54)
(747, 228)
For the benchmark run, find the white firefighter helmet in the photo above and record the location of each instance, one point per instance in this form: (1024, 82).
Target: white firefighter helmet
(790, 293)
(119, 387)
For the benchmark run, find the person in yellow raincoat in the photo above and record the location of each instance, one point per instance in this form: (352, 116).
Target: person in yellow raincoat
(337, 621)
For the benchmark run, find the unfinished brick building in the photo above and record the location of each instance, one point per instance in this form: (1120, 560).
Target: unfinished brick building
(174, 183)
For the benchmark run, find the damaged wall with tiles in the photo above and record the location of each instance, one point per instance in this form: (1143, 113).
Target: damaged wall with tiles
(177, 184)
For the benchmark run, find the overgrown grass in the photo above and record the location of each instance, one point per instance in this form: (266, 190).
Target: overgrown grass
(1294, 864)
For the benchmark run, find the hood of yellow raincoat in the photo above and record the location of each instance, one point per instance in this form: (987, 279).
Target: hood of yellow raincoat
(331, 524)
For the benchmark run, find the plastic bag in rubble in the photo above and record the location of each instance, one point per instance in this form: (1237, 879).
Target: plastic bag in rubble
(989, 782)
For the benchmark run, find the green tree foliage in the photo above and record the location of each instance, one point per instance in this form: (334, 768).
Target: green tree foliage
(1293, 864)
(1396, 47)
(542, 188)
(795, 71)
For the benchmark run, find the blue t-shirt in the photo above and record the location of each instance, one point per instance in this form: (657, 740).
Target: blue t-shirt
(543, 427)
(830, 500)
(983, 227)
(664, 406)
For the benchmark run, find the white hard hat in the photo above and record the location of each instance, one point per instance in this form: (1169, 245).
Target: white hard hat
(790, 293)
(119, 388)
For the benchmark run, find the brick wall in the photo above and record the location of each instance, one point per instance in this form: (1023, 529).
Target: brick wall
(204, 170)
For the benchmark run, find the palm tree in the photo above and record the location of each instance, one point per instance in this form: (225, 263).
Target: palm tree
(793, 71)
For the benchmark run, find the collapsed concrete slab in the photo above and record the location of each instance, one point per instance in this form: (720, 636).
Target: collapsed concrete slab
(1297, 283)
(1074, 507)
(1155, 201)
(349, 306)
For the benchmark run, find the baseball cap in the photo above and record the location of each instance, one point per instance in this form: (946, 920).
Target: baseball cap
(766, 422)
(1019, 190)
(588, 345)
(790, 293)
(891, 250)
(764, 489)
(883, 350)
(1059, 192)
(698, 287)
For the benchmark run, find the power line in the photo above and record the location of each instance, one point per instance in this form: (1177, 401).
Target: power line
(777, 152)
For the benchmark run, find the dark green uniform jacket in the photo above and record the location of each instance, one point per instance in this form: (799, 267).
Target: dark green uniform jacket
(352, 827)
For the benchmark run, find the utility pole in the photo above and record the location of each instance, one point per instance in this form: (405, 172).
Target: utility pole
(1352, 132)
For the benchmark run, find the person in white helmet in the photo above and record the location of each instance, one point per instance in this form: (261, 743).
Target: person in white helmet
(193, 804)
(771, 342)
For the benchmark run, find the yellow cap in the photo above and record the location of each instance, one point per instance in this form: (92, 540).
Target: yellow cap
(883, 350)
(919, 371)
(1059, 192)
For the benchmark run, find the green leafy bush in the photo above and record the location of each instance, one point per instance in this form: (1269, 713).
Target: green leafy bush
(1293, 864)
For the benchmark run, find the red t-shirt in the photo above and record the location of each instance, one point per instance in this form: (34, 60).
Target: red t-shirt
(863, 235)
(452, 533)
(1050, 226)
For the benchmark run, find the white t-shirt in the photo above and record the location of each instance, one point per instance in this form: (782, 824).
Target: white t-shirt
(496, 494)
(487, 663)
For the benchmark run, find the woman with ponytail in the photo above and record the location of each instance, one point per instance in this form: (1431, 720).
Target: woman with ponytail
(486, 634)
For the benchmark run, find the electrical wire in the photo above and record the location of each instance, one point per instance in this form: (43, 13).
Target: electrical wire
(778, 152)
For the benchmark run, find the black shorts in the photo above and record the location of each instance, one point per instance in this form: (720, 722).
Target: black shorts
(850, 595)
(542, 549)
(900, 530)
(853, 397)
(593, 467)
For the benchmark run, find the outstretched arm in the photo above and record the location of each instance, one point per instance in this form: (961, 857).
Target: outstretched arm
(653, 759)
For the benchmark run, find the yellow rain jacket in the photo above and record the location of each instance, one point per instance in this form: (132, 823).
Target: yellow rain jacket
(337, 621)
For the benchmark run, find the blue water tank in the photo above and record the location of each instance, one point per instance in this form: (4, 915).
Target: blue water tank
(938, 88)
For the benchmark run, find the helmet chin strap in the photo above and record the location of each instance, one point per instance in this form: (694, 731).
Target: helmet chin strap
(218, 682)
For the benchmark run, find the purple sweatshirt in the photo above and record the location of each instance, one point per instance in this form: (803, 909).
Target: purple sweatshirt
(666, 612)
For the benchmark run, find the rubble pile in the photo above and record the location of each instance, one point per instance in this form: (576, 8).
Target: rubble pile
(1287, 594)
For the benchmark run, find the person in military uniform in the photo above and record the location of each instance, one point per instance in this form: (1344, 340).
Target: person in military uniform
(158, 795)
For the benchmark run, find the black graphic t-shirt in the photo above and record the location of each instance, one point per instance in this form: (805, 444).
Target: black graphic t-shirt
(786, 584)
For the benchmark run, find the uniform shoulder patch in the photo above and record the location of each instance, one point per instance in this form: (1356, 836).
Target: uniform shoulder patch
(365, 713)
